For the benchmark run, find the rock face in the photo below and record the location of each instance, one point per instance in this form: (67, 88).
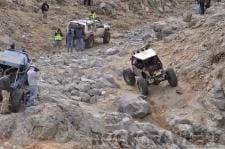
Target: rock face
(111, 51)
(187, 17)
(134, 105)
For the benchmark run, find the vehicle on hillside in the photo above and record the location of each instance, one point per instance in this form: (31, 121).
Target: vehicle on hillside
(148, 69)
(13, 76)
(92, 30)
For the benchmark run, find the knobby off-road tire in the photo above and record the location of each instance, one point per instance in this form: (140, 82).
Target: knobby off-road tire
(129, 77)
(1, 98)
(143, 86)
(106, 37)
(171, 77)
(15, 101)
(89, 43)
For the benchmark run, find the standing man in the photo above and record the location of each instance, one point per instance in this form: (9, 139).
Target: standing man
(58, 38)
(79, 35)
(44, 9)
(69, 40)
(202, 6)
(33, 76)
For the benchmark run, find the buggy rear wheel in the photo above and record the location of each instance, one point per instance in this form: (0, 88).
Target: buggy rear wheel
(143, 86)
(129, 77)
(89, 43)
(171, 77)
(106, 37)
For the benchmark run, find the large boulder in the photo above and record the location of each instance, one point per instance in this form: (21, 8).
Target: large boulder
(134, 105)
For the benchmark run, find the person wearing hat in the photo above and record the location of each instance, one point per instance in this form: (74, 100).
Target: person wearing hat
(33, 76)
(12, 47)
(44, 9)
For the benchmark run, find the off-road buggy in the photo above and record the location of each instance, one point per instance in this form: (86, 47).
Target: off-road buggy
(13, 76)
(148, 69)
(92, 30)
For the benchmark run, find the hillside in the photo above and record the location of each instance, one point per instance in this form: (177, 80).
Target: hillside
(81, 94)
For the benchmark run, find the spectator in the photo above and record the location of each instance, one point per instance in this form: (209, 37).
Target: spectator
(33, 77)
(44, 9)
(70, 40)
(58, 38)
(92, 15)
(79, 35)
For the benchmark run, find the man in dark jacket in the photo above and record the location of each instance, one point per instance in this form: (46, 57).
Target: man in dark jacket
(69, 40)
(79, 36)
(44, 9)
(87, 2)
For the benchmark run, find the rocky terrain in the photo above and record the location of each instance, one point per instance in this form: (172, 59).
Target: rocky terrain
(84, 102)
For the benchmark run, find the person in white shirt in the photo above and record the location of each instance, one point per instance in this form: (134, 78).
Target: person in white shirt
(33, 76)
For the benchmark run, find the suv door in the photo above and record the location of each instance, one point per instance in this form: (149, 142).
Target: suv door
(89, 30)
(99, 28)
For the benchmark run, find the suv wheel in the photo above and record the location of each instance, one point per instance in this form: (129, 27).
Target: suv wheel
(106, 37)
(15, 101)
(143, 86)
(89, 43)
(171, 77)
(129, 77)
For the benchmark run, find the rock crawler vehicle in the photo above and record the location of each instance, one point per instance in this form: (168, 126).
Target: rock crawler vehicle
(13, 76)
(92, 30)
(148, 69)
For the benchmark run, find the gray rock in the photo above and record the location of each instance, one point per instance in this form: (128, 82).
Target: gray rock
(111, 51)
(84, 97)
(93, 99)
(187, 17)
(134, 105)
(179, 91)
(84, 87)
(94, 92)
(219, 104)
(103, 82)
(218, 90)
(185, 130)
(75, 93)
(106, 146)
(76, 98)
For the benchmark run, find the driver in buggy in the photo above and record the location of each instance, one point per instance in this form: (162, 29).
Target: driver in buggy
(152, 64)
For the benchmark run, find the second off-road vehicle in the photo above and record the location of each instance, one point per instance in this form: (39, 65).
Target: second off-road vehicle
(92, 30)
(148, 69)
(13, 76)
